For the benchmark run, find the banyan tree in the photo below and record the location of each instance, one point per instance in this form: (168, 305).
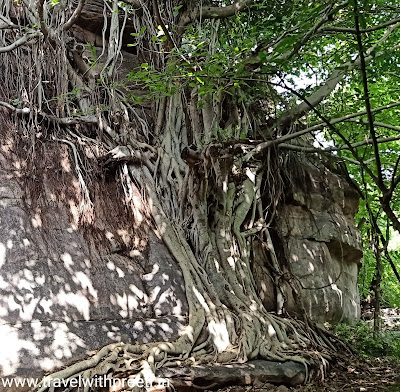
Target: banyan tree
(209, 119)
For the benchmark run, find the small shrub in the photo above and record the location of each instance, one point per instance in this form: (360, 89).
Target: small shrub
(360, 336)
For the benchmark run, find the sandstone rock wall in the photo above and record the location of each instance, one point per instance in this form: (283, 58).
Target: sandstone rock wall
(322, 244)
(66, 291)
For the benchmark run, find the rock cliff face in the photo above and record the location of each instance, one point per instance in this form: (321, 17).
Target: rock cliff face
(66, 291)
(322, 244)
(68, 287)
(316, 235)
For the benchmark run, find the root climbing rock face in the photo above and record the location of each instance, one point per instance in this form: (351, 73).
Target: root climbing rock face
(221, 298)
(189, 169)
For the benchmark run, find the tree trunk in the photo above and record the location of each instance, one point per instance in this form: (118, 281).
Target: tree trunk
(377, 285)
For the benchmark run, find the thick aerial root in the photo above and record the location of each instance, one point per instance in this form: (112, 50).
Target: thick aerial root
(281, 340)
(222, 299)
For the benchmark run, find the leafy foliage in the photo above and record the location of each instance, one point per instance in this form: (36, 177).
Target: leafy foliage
(362, 339)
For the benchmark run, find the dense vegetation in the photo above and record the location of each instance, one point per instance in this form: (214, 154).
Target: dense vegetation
(223, 100)
(383, 345)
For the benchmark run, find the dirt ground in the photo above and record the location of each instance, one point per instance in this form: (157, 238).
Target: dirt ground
(368, 376)
(363, 376)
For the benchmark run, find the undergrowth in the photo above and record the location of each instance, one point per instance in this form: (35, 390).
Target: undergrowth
(386, 344)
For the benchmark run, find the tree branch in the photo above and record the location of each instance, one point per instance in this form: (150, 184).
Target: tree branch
(83, 68)
(224, 12)
(390, 213)
(14, 109)
(7, 24)
(338, 29)
(328, 13)
(386, 194)
(366, 98)
(326, 89)
(332, 128)
(395, 179)
(21, 41)
(313, 128)
(90, 119)
(377, 124)
(42, 22)
(67, 25)
(311, 150)
(301, 148)
(162, 24)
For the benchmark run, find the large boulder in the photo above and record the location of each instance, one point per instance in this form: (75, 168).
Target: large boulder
(322, 243)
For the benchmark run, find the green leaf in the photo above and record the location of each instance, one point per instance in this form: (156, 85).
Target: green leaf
(176, 10)
(262, 56)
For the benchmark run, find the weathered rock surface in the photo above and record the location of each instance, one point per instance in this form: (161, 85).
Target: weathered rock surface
(322, 244)
(198, 378)
(65, 291)
(316, 234)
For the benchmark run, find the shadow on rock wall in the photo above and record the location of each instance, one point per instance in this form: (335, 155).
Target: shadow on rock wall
(322, 244)
(75, 277)
(316, 235)
(65, 292)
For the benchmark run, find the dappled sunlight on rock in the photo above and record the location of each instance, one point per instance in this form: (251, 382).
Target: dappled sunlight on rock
(14, 347)
(2, 254)
(56, 302)
(324, 245)
(219, 334)
(65, 342)
(36, 221)
(271, 330)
